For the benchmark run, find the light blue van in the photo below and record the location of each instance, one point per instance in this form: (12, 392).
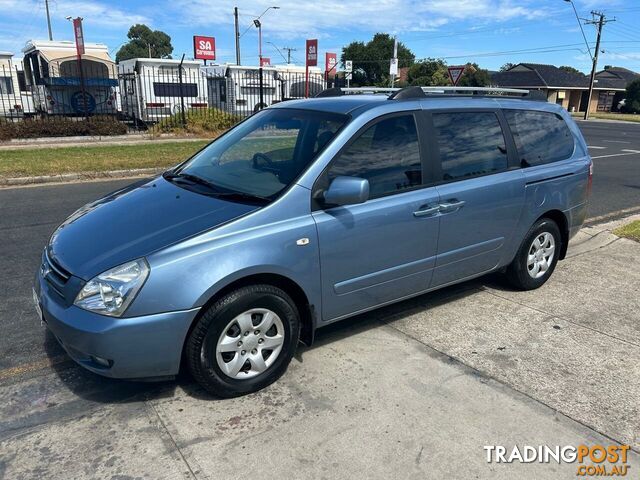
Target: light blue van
(307, 213)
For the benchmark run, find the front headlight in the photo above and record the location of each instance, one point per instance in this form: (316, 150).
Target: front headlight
(111, 292)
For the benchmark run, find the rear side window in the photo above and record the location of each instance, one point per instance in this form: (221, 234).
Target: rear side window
(387, 154)
(541, 137)
(471, 144)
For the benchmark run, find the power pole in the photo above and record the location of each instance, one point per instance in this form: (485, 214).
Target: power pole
(235, 18)
(289, 50)
(46, 6)
(600, 23)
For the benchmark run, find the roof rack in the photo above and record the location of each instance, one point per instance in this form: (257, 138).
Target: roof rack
(424, 92)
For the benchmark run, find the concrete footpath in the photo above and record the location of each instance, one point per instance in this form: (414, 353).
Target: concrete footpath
(414, 390)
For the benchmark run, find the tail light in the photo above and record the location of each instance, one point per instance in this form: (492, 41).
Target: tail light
(590, 180)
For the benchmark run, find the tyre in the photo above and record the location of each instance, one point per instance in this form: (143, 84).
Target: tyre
(244, 341)
(537, 257)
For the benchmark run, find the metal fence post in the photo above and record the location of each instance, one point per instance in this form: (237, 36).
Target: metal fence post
(261, 105)
(184, 119)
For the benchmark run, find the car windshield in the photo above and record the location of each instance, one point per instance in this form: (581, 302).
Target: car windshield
(260, 157)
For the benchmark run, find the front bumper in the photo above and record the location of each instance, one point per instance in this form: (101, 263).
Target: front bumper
(136, 347)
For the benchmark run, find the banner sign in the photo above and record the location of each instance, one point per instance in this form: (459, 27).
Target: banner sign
(312, 53)
(204, 48)
(330, 60)
(265, 62)
(455, 73)
(77, 31)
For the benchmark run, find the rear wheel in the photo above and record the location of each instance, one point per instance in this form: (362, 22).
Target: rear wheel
(537, 257)
(244, 341)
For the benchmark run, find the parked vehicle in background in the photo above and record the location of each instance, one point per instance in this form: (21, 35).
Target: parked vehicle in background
(58, 85)
(307, 213)
(152, 89)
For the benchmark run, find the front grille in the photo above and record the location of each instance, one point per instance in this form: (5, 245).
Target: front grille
(56, 275)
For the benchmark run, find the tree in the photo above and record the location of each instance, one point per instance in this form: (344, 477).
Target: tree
(474, 76)
(428, 72)
(632, 101)
(507, 66)
(144, 42)
(569, 69)
(371, 59)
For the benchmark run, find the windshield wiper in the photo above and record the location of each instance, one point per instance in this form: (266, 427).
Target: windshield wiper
(213, 189)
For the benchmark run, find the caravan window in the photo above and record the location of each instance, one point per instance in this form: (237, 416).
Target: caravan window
(166, 89)
(6, 86)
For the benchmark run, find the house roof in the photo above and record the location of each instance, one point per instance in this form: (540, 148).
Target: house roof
(618, 76)
(535, 75)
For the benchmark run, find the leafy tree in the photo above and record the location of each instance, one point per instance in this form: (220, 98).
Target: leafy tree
(428, 72)
(371, 59)
(632, 102)
(507, 66)
(474, 76)
(144, 42)
(569, 69)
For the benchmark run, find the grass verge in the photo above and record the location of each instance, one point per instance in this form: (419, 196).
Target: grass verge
(627, 117)
(56, 161)
(630, 230)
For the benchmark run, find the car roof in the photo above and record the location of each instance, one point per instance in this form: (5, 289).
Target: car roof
(356, 104)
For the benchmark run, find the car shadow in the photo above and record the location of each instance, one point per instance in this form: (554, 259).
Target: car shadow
(95, 388)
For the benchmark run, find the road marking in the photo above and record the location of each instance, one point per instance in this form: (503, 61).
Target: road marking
(616, 141)
(628, 152)
(597, 148)
(32, 366)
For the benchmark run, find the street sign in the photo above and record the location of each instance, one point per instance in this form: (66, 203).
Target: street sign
(348, 66)
(77, 31)
(204, 48)
(312, 53)
(330, 60)
(455, 73)
(265, 62)
(393, 67)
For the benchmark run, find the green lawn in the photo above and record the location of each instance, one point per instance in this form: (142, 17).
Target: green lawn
(627, 117)
(631, 230)
(55, 161)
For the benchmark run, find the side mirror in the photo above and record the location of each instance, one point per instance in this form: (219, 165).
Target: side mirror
(347, 191)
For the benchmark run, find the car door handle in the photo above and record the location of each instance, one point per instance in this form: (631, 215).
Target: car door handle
(426, 210)
(451, 206)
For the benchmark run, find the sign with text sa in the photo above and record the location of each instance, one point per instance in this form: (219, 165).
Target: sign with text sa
(312, 53)
(77, 31)
(265, 62)
(330, 60)
(204, 48)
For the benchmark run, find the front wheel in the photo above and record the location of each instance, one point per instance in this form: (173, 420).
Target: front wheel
(537, 257)
(244, 341)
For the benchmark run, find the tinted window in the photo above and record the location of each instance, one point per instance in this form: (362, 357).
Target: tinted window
(387, 154)
(470, 143)
(173, 89)
(540, 137)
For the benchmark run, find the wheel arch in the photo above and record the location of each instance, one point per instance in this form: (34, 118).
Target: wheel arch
(298, 295)
(563, 224)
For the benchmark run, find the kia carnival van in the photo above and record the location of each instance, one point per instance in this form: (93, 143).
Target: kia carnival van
(307, 213)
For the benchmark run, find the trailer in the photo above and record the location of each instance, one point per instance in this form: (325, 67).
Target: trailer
(152, 89)
(14, 103)
(62, 84)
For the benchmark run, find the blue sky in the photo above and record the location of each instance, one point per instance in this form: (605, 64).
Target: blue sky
(489, 32)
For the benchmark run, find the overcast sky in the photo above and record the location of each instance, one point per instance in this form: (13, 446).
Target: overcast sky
(489, 32)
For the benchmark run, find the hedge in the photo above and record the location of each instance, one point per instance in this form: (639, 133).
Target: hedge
(61, 127)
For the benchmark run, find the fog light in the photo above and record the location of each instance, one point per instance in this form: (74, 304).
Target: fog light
(101, 361)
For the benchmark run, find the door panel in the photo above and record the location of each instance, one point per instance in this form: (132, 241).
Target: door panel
(377, 251)
(472, 237)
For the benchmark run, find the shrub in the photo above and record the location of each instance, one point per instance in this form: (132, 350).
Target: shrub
(61, 127)
(632, 102)
(200, 121)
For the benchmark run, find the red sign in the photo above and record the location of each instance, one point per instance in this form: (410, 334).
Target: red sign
(330, 60)
(265, 62)
(455, 73)
(77, 31)
(312, 53)
(204, 48)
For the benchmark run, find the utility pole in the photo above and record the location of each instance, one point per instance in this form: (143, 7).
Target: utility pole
(289, 50)
(600, 23)
(46, 6)
(235, 18)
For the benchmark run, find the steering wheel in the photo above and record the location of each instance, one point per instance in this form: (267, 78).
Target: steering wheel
(269, 167)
